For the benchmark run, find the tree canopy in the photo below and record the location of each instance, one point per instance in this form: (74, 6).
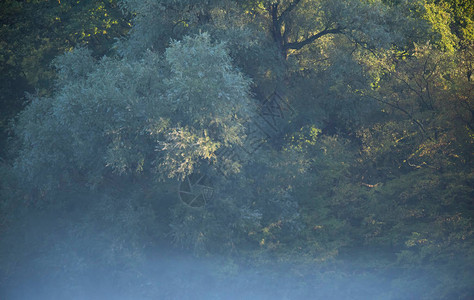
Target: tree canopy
(328, 135)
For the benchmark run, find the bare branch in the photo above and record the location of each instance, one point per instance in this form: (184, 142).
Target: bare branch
(301, 44)
(287, 11)
(404, 111)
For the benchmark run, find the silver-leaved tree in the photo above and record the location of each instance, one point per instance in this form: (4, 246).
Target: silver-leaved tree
(159, 114)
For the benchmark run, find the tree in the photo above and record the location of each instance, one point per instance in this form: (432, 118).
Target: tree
(462, 23)
(92, 155)
(329, 131)
(35, 32)
(153, 115)
(296, 24)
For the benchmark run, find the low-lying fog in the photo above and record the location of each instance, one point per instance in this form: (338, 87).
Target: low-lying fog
(175, 275)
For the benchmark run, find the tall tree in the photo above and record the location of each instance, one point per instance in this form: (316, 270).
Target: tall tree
(34, 32)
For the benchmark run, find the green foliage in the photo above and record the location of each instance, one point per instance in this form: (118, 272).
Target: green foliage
(34, 32)
(462, 13)
(441, 21)
(368, 161)
(429, 101)
(124, 116)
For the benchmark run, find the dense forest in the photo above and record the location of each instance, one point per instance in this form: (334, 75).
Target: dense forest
(236, 149)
